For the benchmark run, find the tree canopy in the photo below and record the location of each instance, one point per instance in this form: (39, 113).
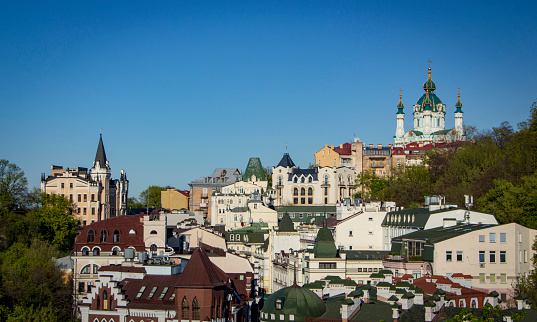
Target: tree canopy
(150, 197)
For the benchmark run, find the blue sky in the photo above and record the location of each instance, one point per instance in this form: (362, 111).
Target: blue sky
(183, 87)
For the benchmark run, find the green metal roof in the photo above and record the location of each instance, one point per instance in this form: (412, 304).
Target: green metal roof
(442, 132)
(286, 224)
(254, 167)
(295, 300)
(324, 244)
(317, 285)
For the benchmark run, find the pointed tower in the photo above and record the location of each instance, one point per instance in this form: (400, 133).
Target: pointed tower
(400, 131)
(280, 177)
(458, 118)
(100, 173)
(429, 111)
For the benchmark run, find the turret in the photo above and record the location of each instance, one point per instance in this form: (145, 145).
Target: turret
(458, 117)
(400, 131)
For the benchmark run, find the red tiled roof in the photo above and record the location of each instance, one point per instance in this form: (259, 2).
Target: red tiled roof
(344, 150)
(124, 224)
(200, 272)
(132, 287)
(458, 275)
(185, 193)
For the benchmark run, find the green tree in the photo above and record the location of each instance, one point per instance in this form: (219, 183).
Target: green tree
(54, 221)
(369, 185)
(13, 185)
(408, 186)
(150, 197)
(133, 203)
(30, 279)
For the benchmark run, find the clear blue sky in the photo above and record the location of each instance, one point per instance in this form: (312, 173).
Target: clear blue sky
(183, 87)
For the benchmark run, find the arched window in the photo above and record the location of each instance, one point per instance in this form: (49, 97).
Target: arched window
(295, 179)
(153, 249)
(302, 191)
(184, 309)
(280, 180)
(195, 309)
(86, 269)
(295, 192)
(310, 179)
(85, 251)
(104, 235)
(474, 304)
(326, 179)
(96, 251)
(105, 300)
(310, 191)
(91, 236)
(302, 180)
(98, 302)
(115, 251)
(461, 303)
(116, 236)
(153, 232)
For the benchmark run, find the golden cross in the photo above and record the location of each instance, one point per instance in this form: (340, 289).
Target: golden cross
(429, 61)
(459, 89)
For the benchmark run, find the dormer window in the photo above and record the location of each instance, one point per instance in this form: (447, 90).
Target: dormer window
(279, 304)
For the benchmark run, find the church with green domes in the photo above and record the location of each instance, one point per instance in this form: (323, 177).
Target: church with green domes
(429, 120)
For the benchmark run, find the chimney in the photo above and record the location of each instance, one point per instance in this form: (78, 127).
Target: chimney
(379, 146)
(371, 146)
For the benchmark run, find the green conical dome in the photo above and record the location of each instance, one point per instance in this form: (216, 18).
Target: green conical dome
(325, 246)
(400, 106)
(286, 224)
(254, 167)
(458, 105)
(295, 300)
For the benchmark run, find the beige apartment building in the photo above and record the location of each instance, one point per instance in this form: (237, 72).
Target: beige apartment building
(94, 194)
(174, 199)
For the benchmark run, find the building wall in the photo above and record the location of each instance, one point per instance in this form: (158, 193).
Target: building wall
(518, 252)
(360, 232)
(173, 199)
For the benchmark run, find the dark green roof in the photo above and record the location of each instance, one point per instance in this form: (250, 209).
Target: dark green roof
(317, 285)
(240, 209)
(410, 217)
(438, 234)
(402, 284)
(376, 275)
(254, 167)
(493, 294)
(393, 298)
(367, 255)
(295, 300)
(442, 132)
(408, 295)
(429, 102)
(386, 272)
(286, 224)
(430, 304)
(400, 291)
(374, 311)
(324, 244)
(384, 284)
(458, 105)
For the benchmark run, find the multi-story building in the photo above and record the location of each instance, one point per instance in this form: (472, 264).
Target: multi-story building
(345, 155)
(94, 194)
(316, 186)
(202, 189)
(429, 119)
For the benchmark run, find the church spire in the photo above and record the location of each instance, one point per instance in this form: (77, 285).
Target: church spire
(400, 106)
(100, 156)
(458, 105)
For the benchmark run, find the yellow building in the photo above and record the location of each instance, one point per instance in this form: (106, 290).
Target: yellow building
(345, 155)
(174, 199)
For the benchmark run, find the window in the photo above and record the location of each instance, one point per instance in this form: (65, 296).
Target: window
(295, 201)
(92, 197)
(295, 191)
(481, 238)
(459, 256)
(104, 235)
(492, 237)
(140, 292)
(115, 251)
(71, 197)
(302, 191)
(525, 256)
(310, 191)
(303, 201)
(493, 278)
(231, 237)
(503, 278)
(93, 211)
(95, 269)
(195, 309)
(482, 278)
(71, 185)
(85, 211)
(502, 256)
(81, 287)
(503, 237)
(481, 256)
(327, 265)
(85, 269)
(370, 218)
(350, 233)
(96, 251)
(449, 256)
(89, 286)
(91, 236)
(492, 256)
(237, 237)
(153, 249)
(78, 211)
(79, 198)
(116, 236)
(85, 251)
(163, 293)
(63, 185)
(85, 197)
(153, 290)
(153, 232)
(278, 304)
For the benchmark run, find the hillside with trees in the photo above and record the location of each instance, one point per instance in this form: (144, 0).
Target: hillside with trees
(498, 167)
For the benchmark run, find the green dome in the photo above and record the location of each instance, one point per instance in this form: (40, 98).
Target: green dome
(286, 224)
(429, 84)
(400, 106)
(325, 246)
(458, 105)
(429, 101)
(295, 300)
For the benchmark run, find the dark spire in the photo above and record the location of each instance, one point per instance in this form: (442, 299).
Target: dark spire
(101, 155)
(286, 161)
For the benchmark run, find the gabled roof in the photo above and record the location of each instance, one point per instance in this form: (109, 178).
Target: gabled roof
(286, 162)
(200, 272)
(100, 156)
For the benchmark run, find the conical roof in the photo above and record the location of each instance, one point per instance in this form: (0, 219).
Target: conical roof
(254, 167)
(458, 105)
(286, 161)
(400, 106)
(100, 156)
(200, 272)
(325, 246)
(286, 224)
